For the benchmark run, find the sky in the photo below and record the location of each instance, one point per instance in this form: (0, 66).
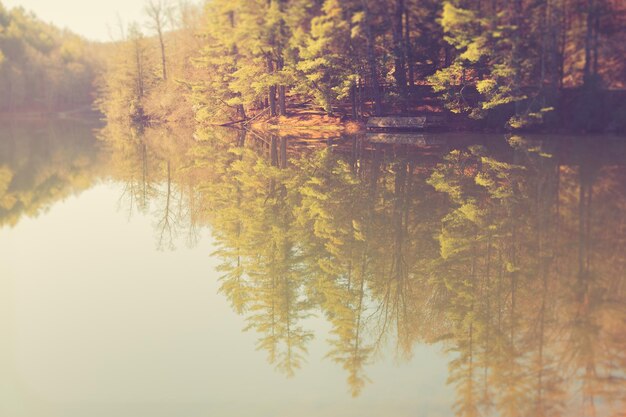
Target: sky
(94, 19)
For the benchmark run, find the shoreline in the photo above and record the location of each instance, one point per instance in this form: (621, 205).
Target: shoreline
(313, 125)
(326, 126)
(308, 125)
(75, 114)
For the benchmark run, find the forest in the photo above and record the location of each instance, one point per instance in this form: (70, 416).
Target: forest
(547, 64)
(43, 68)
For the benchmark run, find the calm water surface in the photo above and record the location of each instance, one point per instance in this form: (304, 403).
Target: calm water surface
(218, 273)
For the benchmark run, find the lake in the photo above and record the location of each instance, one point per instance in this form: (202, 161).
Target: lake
(224, 273)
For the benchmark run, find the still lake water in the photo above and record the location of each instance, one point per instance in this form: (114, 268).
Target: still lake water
(154, 274)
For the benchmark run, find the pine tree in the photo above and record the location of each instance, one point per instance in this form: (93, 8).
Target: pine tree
(327, 62)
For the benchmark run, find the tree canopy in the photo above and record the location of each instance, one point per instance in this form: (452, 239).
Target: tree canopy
(517, 64)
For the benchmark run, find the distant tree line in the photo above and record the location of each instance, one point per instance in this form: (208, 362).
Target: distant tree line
(42, 67)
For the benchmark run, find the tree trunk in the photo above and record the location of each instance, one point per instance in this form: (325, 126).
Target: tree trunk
(371, 61)
(282, 102)
(408, 47)
(447, 56)
(588, 42)
(271, 89)
(516, 52)
(596, 42)
(241, 111)
(163, 62)
(272, 100)
(399, 72)
(139, 67)
(353, 101)
(157, 13)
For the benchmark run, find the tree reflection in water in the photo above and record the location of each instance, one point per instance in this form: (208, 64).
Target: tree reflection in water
(508, 252)
(43, 162)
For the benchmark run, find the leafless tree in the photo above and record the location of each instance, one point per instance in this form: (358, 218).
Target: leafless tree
(158, 12)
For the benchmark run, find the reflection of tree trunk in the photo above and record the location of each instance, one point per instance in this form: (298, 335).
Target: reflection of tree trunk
(169, 187)
(274, 151)
(470, 373)
(192, 233)
(499, 284)
(376, 162)
(357, 359)
(144, 175)
(584, 314)
(166, 220)
(400, 269)
(353, 101)
(283, 153)
(584, 227)
(353, 155)
(485, 293)
(513, 303)
(399, 264)
(581, 230)
(540, 360)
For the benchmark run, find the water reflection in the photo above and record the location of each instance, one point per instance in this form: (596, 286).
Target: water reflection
(508, 252)
(43, 162)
